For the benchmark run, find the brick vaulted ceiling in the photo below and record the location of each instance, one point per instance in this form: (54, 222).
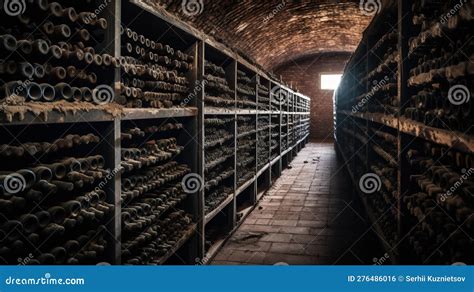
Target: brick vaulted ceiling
(273, 32)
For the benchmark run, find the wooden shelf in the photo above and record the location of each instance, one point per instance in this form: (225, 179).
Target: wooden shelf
(210, 111)
(452, 139)
(246, 133)
(245, 212)
(214, 249)
(186, 236)
(302, 139)
(286, 151)
(151, 113)
(374, 117)
(262, 170)
(385, 155)
(246, 112)
(215, 111)
(244, 186)
(219, 208)
(169, 18)
(444, 137)
(275, 160)
(77, 113)
(58, 113)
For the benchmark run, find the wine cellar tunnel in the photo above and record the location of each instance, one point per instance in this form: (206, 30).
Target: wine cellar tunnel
(198, 132)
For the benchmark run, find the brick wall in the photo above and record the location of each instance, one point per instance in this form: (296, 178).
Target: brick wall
(305, 74)
(272, 32)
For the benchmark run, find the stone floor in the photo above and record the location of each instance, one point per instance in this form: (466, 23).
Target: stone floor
(309, 217)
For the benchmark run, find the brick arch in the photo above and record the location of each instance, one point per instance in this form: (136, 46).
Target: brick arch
(274, 32)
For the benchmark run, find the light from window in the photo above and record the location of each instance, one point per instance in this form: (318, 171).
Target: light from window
(330, 81)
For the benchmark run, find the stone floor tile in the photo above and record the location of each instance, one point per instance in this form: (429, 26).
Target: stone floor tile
(309, 216)
(277, 237)
(288, 248)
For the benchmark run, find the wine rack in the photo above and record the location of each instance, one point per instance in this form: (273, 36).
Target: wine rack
(291, 102)
(154, 74)
(274, 136)
(440, 200)
(149, 121)
(410, 132)
(382, 77)
(218, 92)
(246, 94)
(246, 148)
(304, 126)
(154, 192)
(301, 104)
(263, 140)
(219, 160)
(263, 95)
(291, 130)
(440, 81)
(284, 132)
(275, 97)
(61, 60)
(156, 71)
(55, 201)
(384, 164)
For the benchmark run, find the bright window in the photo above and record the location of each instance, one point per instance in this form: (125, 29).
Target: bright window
(330, 81)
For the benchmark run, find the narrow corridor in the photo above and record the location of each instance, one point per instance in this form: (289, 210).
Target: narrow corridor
(309, 216)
